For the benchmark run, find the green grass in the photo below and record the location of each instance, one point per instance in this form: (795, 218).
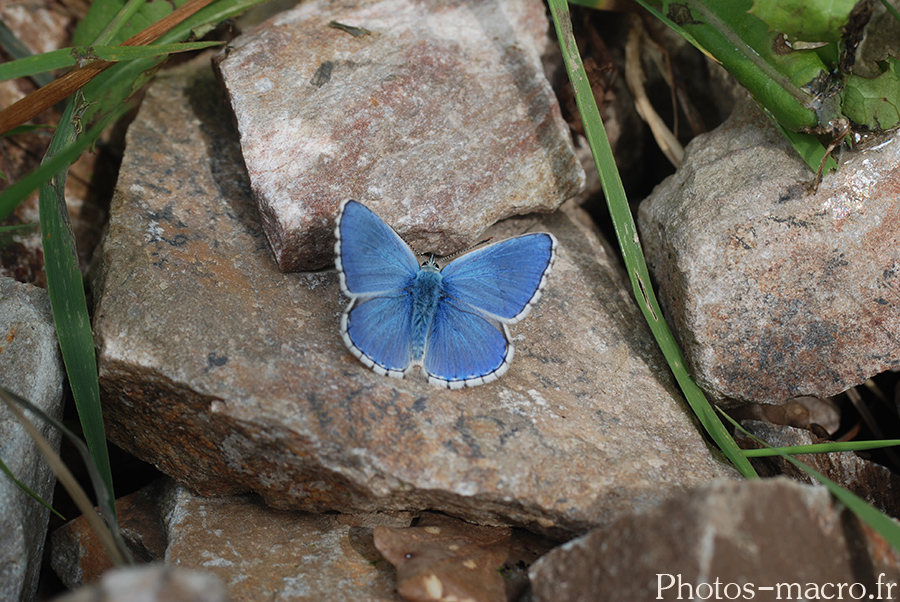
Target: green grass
(629, 243)
(70, 57)
(879, 521)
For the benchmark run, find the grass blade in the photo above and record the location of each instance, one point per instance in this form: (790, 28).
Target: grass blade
(67, 301)
(626, 234)
(17, 50)
(880, 522)
(32, 105)
(31, 492)
(107, 530)
(19, 191)
(69, 57)
(821, 448)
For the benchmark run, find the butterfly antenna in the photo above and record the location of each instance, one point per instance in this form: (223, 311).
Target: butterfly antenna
(467, 249)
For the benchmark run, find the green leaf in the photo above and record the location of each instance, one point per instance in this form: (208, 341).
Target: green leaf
(17, 50)
(809, 148)
(65, 288)
(68, 57)
(792, 87)
(629, 243)
(107, 91)
(804, 20)
(16, 193)
(9, 234)
(140, 15)
(875, 102)
(28, 127)
(746, 48)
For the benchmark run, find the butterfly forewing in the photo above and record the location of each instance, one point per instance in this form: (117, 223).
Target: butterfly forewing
(371, 257)
(504, 279)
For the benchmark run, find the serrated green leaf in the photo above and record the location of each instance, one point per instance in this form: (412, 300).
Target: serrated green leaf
(804, 20)
(874, 103)
(68, 57)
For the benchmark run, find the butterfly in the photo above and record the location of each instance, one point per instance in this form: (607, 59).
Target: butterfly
(452, 321)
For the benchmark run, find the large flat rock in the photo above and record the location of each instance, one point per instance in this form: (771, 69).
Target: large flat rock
(231, 375)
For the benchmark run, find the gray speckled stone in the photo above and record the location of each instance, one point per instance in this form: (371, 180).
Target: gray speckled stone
(231, 376)
(775, 292)
(30, 366)
(440, 119)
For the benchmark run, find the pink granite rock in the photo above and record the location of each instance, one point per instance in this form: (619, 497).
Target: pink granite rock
(775, 292)
(438, 116)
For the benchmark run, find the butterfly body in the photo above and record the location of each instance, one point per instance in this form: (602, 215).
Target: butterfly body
(426, 297)
(451, 322)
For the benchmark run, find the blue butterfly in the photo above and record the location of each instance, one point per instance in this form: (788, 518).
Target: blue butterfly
(452, 322)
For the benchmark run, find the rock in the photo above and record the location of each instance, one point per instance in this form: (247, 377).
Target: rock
(774, 292)
(30, 366)
(725, 541)
(266, 554)
(231, 376)
(151, 583)
(78, 557)
(438, 116)
(258, 553)
(873, 482)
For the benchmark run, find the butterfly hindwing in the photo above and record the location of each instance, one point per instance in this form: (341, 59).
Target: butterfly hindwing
(465, 347)
(371, 257)
(377, 331)
(504, 279)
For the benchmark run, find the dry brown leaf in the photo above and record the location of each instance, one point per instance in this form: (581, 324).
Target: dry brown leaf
(446, 559)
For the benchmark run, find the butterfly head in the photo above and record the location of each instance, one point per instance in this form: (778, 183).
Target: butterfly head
(431, 264)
